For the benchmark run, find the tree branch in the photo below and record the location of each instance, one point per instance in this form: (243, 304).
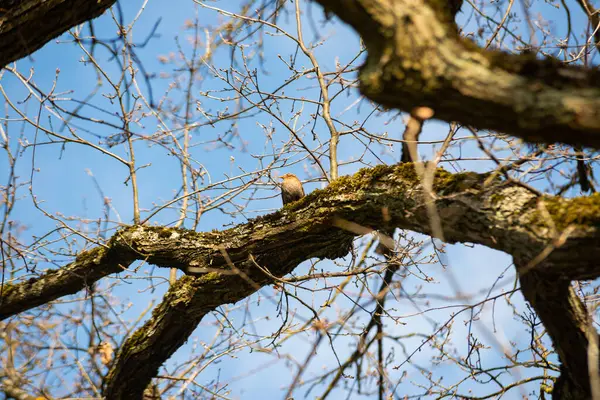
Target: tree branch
(416, 58)
(566, 319)
(27, 25)
(498, 214)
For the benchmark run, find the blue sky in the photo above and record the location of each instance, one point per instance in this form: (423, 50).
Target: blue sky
(64, 185)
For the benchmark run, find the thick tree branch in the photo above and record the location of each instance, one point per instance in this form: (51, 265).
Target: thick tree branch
(259, 250)
(89, 267)
(27, 25)
(497, 214)
(416, 58)
(566, 319)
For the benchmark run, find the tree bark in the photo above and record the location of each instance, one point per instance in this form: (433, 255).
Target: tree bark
(26, 25)
(567, 321)
(417, 58)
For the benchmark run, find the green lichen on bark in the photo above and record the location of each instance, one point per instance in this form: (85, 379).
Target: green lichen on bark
(403, 174)
(582, 211)
(92, 256)
(7, 289)
(556, 214)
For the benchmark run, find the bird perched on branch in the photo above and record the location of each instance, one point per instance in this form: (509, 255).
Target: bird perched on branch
(291, 189)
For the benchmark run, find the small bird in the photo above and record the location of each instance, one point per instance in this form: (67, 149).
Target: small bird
(291, 189)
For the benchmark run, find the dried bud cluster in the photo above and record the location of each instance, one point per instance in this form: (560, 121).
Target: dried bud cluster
(291, 189)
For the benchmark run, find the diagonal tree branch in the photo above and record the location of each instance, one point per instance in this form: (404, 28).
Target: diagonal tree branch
(27, 25)
(567, 321)
(190, 299)
(89, 267)
(416, 58)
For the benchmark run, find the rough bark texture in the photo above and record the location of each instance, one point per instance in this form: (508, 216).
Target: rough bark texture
(566, 319)
(191, 298)
(416, 58)
(89, 267)
(498, 214)
(27, 25)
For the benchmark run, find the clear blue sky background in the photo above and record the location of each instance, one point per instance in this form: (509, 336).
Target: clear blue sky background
(64, 186)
